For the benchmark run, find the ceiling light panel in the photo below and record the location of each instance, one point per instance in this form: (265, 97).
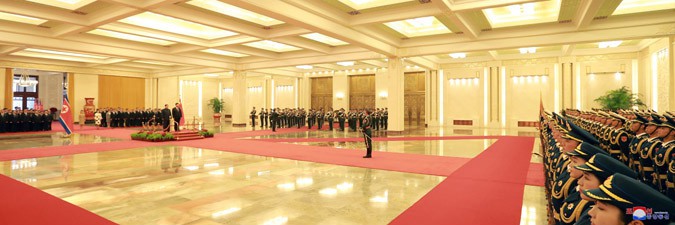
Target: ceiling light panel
(155, 62)
(130, 37)
(638, 6)
(366, 4)
(523, 14)
(175, 25)
(21, 19)
(346, 63)
(64, 53)
(64, 4)
(324, 39)
(423, 26)
(225, 53)
(272, 46)
(233, 11)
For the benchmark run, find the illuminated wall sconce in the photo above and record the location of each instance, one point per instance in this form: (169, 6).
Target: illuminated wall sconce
(189, 82)
(464, 81)
(384, 95)
(255, 89)
(529, 79)
(617, 74)
(285, 87)
(340, 95)
(228, 89)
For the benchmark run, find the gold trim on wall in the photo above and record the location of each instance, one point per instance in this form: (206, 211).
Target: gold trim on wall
(122, 92)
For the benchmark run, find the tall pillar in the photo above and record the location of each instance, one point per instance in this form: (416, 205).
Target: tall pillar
(239, 115)
(396, 94)
(8, 94)
(304, 92)
(267, 92)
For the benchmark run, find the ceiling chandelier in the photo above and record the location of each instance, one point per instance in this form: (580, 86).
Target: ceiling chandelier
(24, 80)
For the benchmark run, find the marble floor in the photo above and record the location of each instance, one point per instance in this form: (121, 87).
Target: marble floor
(185, 185)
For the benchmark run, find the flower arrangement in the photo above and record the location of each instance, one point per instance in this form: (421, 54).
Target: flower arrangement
(205, 133)
(150, 136)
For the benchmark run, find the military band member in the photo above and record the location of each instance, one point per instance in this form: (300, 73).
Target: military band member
(341, 118)
(385, 119)
(262, 117)
(329, 118)
(376, 119)
(319, 116)
(310, 118)
(273, 120)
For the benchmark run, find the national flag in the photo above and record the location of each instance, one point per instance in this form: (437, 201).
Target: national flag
(66, 116)
(182, 113)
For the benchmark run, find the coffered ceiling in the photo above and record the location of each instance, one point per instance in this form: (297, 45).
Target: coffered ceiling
(179, 37)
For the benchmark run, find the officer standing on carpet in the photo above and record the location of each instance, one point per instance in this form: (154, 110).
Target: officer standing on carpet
(253, 112)
(273, 120)
(367, 134)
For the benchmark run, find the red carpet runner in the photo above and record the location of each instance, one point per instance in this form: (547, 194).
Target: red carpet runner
(486, 190)
(24, 204)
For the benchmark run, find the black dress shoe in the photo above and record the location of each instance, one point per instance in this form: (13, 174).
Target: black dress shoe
(367, 156)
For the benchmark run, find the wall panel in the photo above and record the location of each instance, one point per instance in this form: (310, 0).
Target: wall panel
(362, 91)
(122, 92)
(322, 92)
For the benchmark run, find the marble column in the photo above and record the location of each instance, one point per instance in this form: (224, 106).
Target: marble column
(239, 115)
(396, 95)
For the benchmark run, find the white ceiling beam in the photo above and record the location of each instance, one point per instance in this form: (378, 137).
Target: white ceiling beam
(298, 17)
(312, 60)
(287, 31)
(494, 54)
(141, 65)
(221, 22)
(180, 48)
(233, 40)
(567, 50)
(106, 62)
(586, 12)
(599, 51)
(279, 72)
(394, 14)
(95, 19)
(147, 32)
(6, 50)
(189, 71)
(622, 33)
(147, 4)
(422, 62)
(251, 51)
(115, 42)
(304, 43)
(374, 62)
(321, 8)
(485, 4)
(458, 19)
(379, 34)
(67, 45)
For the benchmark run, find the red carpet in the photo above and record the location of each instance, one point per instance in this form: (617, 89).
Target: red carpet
(28, 205)
(535, 175)
(486, 190)
(407, 138)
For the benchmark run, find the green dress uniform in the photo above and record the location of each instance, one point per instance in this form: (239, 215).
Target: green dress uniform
(329, 118)
(367, 135)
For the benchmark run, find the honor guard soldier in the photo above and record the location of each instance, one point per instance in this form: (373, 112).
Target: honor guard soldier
(376, 119)
(385, 119)
(573, 205)
(319, 117)
(623, 200)
(367, 134)
(261, 115)
(341, 119)
(273, 120)
(648, 146)
(661, 154)
(618, 138)
(253, 112)
(329, 118)
(352, 120)
(638, 128)
(310, 118)
(595, 172)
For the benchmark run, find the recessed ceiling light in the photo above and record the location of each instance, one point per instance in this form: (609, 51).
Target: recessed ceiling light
(523, 14)
(272, 46)
(64, 53)
(458, 55)
(304, 67)
(422, 26)
(609, 44)
(236, 12)
(175, 25)
(366, 4)
(222, 52)
(346, 63)
(324, 39)
(154, 62)
(211, 75)
(638, 6)
(130, 37)
(527, 50)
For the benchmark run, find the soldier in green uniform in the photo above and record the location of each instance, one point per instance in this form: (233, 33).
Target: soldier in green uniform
(648, 146)
(329, 118)
(623, 200)
(637, 127)
(341, 119)
(661, 153)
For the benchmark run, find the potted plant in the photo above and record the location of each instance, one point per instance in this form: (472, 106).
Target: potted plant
(217, 106)
(620, 98)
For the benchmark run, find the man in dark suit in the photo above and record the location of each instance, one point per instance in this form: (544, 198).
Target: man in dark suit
(166, 116)
(176, 117)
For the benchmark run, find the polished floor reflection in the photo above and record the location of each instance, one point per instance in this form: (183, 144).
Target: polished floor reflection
(19, 141)
(182, 185)
(533, 211)
(452, 148)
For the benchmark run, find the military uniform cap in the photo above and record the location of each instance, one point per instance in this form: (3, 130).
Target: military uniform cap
(640, 118)
(670, 122)
(603, 166)
(578, 134)
(656, 120)
(586, 150)
(625, 193)
(618, 117)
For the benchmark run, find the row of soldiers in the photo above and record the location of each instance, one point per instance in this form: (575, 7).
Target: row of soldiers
(25, 120)
(299, 117)
(118, 117)
(588, 175)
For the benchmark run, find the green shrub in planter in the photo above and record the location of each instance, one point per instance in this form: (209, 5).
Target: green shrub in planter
(621, 98)
(168, 137)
